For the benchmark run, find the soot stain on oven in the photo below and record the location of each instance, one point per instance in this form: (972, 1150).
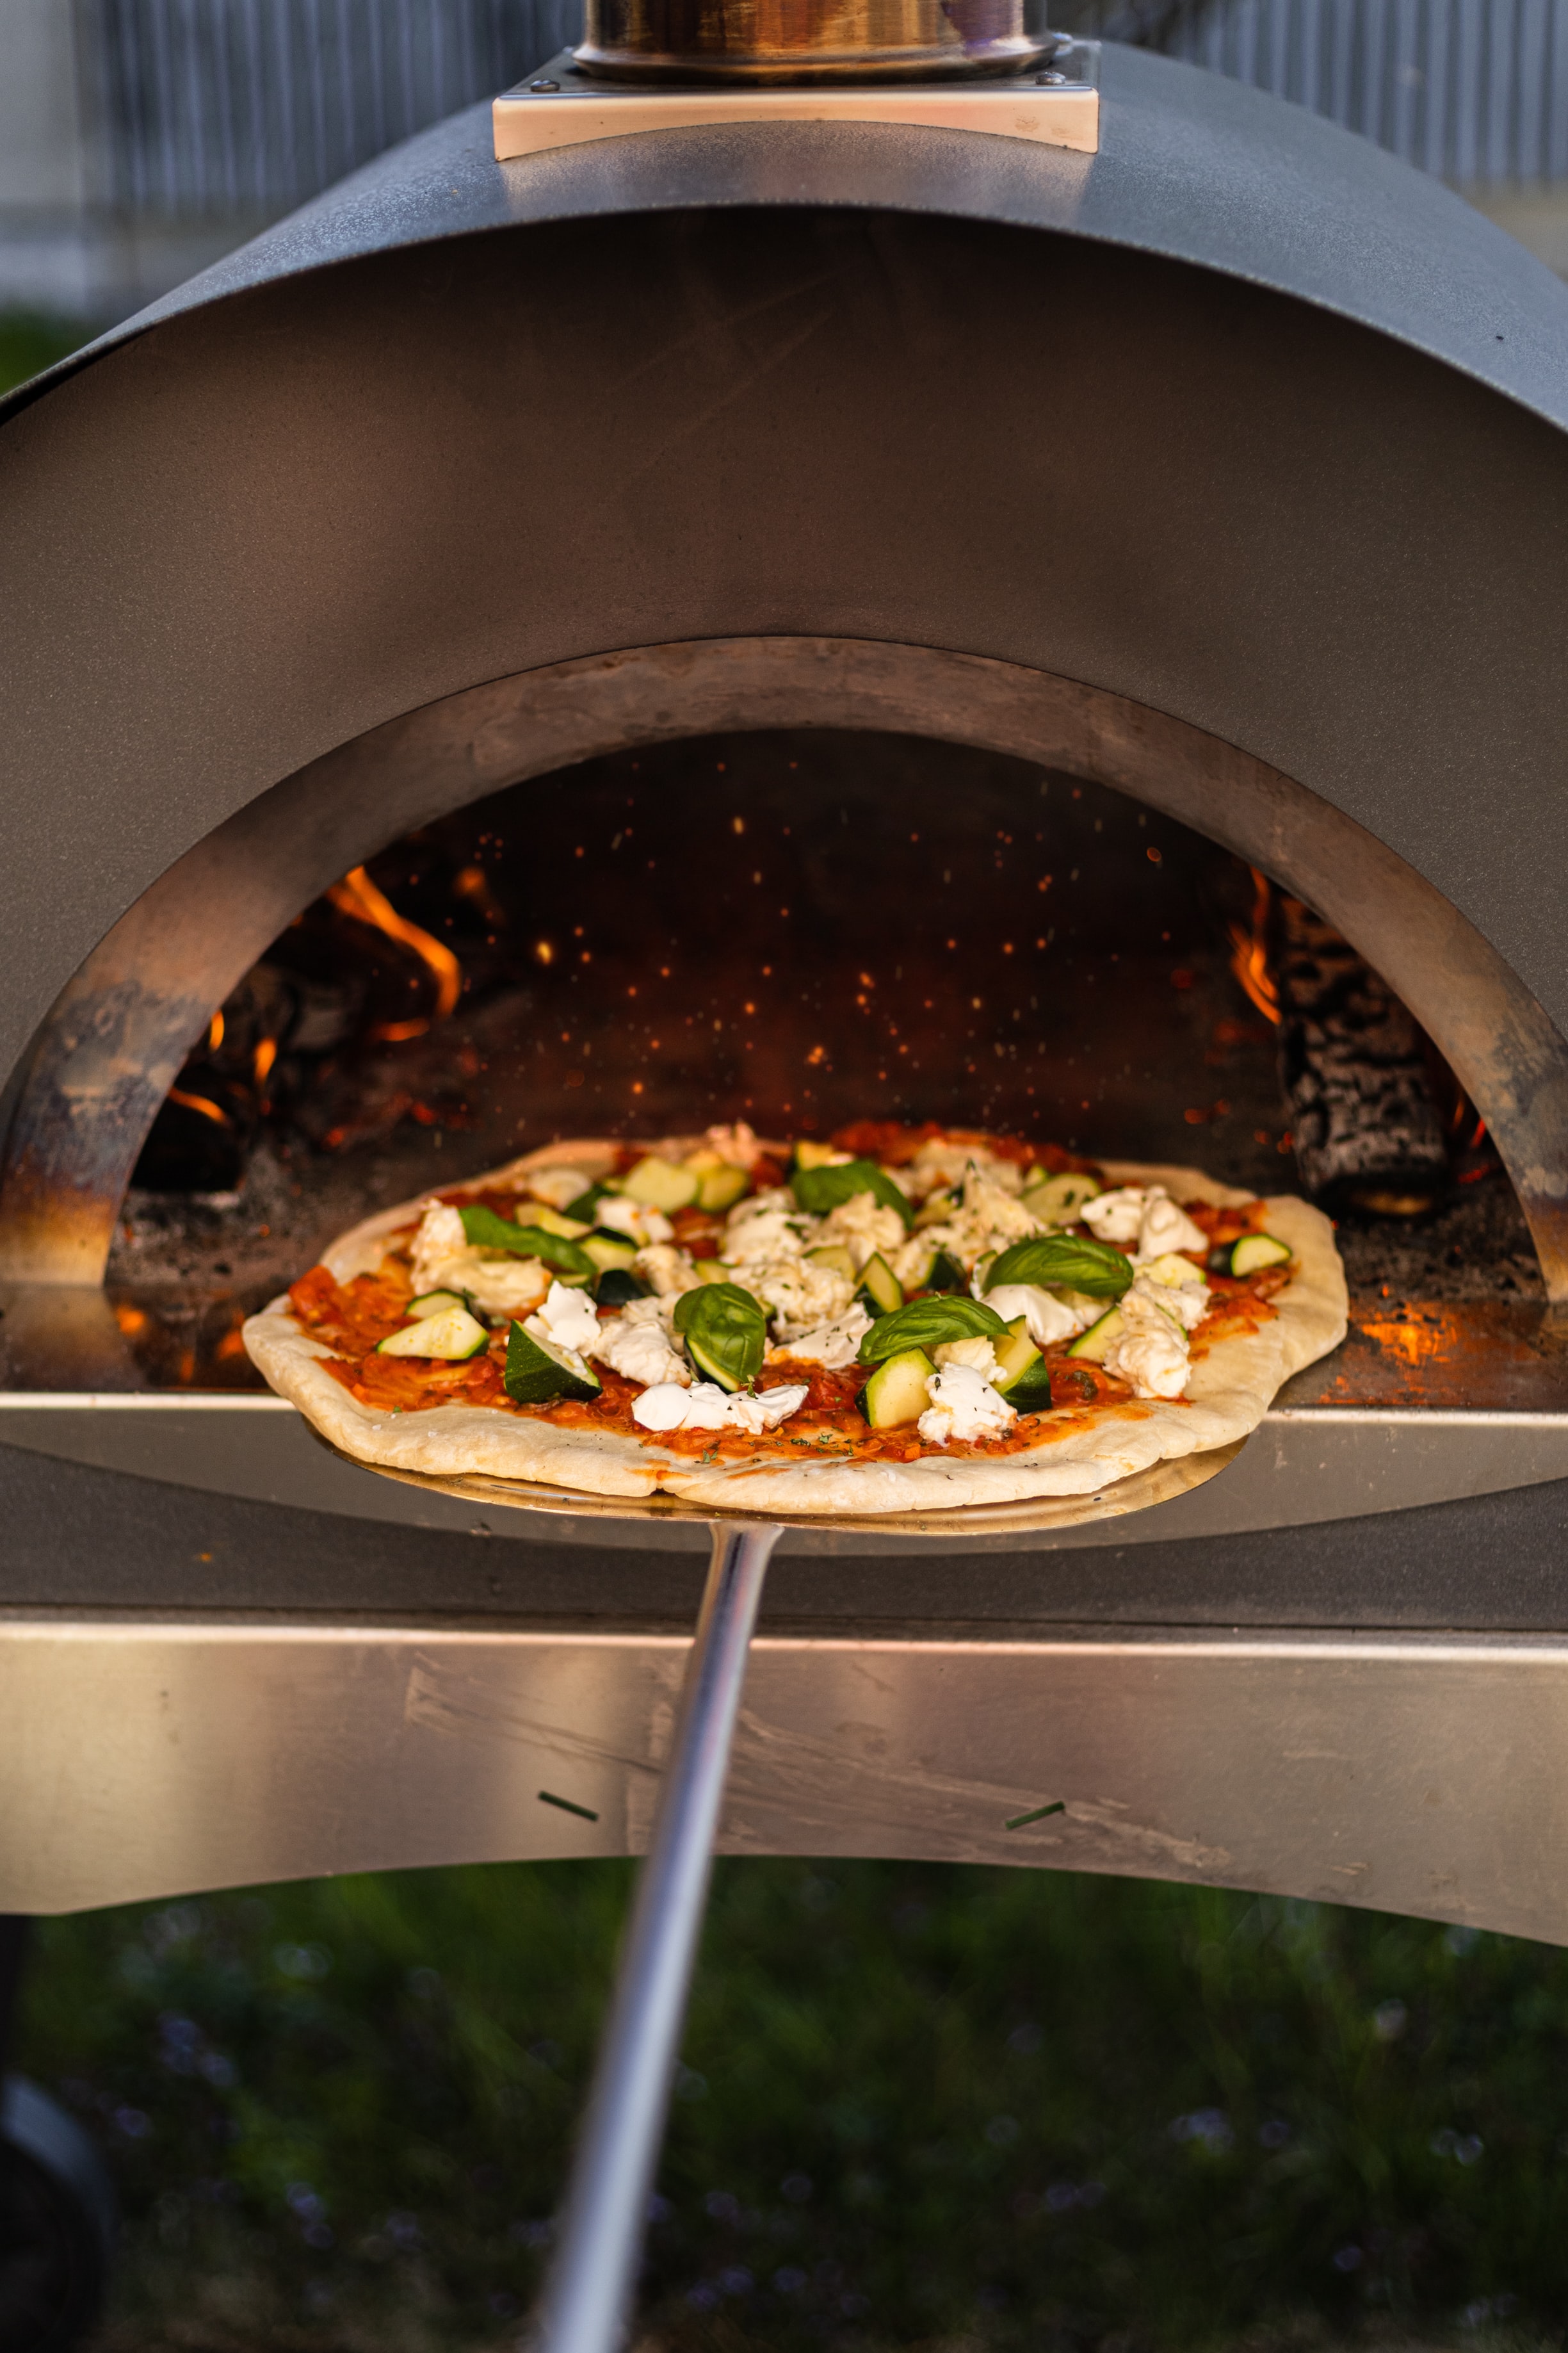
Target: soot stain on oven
(802, 928)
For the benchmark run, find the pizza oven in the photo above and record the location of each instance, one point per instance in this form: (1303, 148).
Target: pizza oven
(823, 602)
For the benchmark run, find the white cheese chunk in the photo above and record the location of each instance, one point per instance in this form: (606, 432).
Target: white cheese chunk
(1150, 1352)
(834, 1344)
(963, 1404)
(558, 1187)
(440, 1239)
(736, 1145)
(1177, 1286)
(1165, 1226)
(768, 1226)
(640, 1350)
(568, 1319)
(635, 1220)
(862, 1226)
(705, 1406)
(666, 1268)
(799, 1294)
(1116, 1216)
(1048, 1317)
(442, 1259)
(976, 1352)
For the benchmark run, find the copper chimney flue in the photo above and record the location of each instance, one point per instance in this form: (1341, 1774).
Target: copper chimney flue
(808, 40)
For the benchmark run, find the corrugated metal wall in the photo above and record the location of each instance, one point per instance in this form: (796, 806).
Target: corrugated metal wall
(210, 109)
(1474, 91)
(217, 109)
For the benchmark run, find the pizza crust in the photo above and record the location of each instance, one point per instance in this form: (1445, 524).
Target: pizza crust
(1230, 1389)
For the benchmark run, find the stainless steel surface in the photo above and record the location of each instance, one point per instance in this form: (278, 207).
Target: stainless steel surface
(589, 2281)
(113, 1044)
(1302, 1464)
(1423, 1775)
(802, 40)
(548, 112)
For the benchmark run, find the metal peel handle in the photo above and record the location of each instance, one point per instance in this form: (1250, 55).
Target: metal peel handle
(590, 2282)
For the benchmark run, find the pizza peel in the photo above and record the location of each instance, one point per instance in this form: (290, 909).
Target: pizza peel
(590, 2282)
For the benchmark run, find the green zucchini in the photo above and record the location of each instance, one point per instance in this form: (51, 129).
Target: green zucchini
(1059, 1201)
(1089, 1346)
(1017, 1358)
(725, 1331)
(485, 1230)
(607, 1250)
(538, 1371)
(451, 1334)
(430, 1302)
(926, 1323)
(818, 1190)
(1253, 1252)
(659, 1184)
(1032, 1392)
(616, 1288)
(585, 1205)
(896, 1392)
(1063, 1261)
(945, 1273)
(817, 1155)
(834, 1255)
(880, 1291)
(720, 1188)
(556, 1221)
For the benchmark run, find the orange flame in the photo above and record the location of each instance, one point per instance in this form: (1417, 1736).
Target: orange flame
(215, 1031)
(357, 895)
(265, 1055)
(1250, 953)
(207, 1109)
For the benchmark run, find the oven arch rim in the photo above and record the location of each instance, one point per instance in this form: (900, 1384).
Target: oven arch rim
(102, 1060)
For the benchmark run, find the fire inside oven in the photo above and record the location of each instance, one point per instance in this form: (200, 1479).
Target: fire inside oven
(805, 929)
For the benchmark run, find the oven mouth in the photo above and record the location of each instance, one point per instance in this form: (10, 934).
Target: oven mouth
(499, 975)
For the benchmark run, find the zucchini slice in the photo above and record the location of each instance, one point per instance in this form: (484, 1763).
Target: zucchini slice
(896, 1392)
(1255, 1251)
(659, 1184)
(1016, 1360)
(451, 1334)
(834, 1255)
(720, 1188)
(1090, 1348)
(726, 1332)
(553, 1221)
(1059, 1201)
(607, 1249)
(538, 1371)
(881, 1290)
(817, 1155)
(430, 1302)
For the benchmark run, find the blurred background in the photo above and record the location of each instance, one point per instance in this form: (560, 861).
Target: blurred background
(142, 138)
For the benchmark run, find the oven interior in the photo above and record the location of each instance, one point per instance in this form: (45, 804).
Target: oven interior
(803, 928)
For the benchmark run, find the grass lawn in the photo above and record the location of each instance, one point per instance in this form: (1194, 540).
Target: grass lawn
(919, 2105)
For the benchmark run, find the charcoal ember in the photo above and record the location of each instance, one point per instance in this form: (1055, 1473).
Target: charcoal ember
(1354, 1068)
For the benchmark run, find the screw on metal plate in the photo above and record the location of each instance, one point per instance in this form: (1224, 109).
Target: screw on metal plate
(556, 85)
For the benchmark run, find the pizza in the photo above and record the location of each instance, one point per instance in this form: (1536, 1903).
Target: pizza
(901, 1319)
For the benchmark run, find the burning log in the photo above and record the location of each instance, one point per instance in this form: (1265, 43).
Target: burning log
(1355, 1073)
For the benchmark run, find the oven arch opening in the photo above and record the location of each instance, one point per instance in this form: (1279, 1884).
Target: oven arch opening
(114, 1042)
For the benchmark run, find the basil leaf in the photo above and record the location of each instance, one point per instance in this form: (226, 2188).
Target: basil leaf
(725, 1331)
(485, 1230)
(926, 1323)
(1063, 1261)
(821, 1189)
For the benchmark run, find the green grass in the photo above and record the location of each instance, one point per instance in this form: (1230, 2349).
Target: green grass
(29, 344)
(918, 2103)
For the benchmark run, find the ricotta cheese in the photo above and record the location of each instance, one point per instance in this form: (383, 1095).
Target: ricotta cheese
(442, 1259)
(834, 1344)
(641, 1350)
(799, 1292)
(963, 1404)
(939, 1166)
(1150, 1352)
(568, 1319)
(736, 1144)
(1048, 1318)
(705, 1406)
(634, 1219)
(863, 1226)
(1177, 1286)
(1116, 1216)
(977, 1352)
(1165, 1226)
(557, 1187)
(667, 1269)
(768, 1226)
